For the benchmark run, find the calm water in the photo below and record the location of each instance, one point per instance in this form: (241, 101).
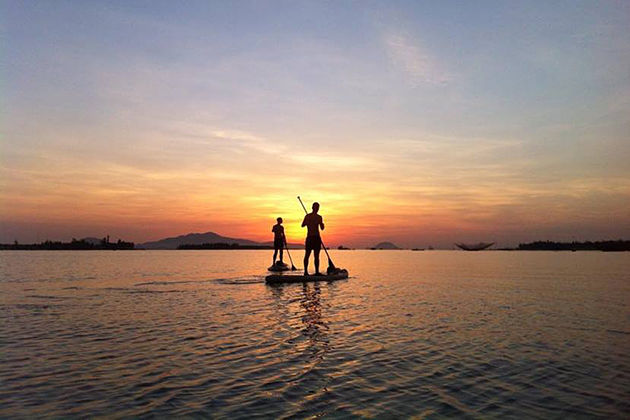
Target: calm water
(426, 334)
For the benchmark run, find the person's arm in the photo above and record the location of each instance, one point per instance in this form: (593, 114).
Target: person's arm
(321, 222)
(304, 222)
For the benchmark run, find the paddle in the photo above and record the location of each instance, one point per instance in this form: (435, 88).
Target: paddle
(331, 266)
(289, 254)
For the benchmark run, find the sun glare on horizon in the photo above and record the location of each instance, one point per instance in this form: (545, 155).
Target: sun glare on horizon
(414, 123)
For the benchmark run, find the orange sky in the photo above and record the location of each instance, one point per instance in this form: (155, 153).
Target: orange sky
(360, 206)
(405, 127)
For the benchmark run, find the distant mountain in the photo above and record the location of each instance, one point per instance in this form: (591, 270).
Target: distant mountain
(200, 239)
(194, 239)
(385, 245)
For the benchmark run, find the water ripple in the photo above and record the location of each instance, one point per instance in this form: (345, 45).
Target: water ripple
(436, 339)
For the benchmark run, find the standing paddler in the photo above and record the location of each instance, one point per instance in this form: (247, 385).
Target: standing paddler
(313, 222)
(279, 240)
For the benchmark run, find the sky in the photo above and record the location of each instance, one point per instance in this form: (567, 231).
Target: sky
(421, 123)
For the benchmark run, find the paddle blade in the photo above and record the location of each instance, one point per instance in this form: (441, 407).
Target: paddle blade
(331, 267)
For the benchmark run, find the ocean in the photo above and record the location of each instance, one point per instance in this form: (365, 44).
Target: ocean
(427, 334)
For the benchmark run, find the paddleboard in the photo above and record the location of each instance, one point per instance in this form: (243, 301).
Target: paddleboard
(278, 266)
(293, 278)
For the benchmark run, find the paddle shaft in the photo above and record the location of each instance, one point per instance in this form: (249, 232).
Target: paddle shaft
(289, 254)
(320, 238)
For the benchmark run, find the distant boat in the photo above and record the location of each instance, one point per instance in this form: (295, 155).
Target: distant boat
(475, 247)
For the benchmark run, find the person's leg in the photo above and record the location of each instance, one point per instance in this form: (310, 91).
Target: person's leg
(275, 253)
(316, 258)
(280, 254)
(307, 254)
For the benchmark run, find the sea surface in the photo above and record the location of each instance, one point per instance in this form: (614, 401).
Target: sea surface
(427, 334)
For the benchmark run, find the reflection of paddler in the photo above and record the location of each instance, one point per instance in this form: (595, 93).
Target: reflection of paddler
(311, 304)
(312, 320)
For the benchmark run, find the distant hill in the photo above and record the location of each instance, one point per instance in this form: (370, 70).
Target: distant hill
(385, 245)
(194, 239)
(203, 238)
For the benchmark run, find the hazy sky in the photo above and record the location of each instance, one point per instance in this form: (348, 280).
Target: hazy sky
(416, 122)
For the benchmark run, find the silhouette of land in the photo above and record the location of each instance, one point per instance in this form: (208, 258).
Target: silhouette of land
(201, 239)
(223, 245)
(211, 240)
(385, 245)
(607, 246)
(86, 244)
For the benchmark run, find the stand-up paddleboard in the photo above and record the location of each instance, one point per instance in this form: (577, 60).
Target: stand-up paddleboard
(278, 266)
(293, 278)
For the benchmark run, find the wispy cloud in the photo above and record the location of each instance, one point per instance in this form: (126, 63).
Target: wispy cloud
(338, 162)
(236, 135)
(249, 140)
(203, 133)
(414, 60)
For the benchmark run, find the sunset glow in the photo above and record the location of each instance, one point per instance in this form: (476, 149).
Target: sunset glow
(417, 124)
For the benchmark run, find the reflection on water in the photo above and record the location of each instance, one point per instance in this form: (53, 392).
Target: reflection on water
(314, 326)
(427, 334)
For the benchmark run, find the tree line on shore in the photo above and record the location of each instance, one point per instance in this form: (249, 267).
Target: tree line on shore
(73, 245)
(223, 245)
(607, 246)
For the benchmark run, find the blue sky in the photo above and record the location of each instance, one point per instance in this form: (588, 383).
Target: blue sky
(431, 121)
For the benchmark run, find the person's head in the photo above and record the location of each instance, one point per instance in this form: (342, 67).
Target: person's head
(315, 207)
(279, 219)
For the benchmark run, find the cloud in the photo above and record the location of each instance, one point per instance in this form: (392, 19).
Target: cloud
(248, 140)
(337, 162)
(236, 135)
(414, 60)
(201, 132)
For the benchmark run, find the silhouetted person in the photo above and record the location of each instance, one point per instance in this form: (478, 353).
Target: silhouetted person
(278, 239)
(313, 222)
